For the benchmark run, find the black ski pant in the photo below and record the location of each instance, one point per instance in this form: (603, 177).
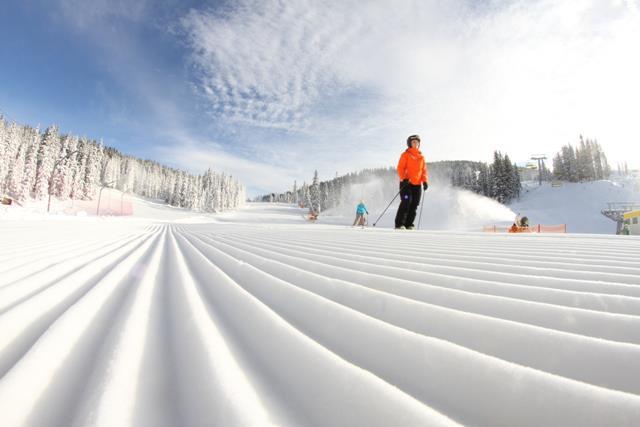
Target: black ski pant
(409, 201)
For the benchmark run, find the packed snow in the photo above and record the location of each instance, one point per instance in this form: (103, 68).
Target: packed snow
(577, 204)
(259, 317)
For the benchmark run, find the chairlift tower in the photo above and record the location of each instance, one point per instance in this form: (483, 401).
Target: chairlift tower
(615, 211)
(540, 158)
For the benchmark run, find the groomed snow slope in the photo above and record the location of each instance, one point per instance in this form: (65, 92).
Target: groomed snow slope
(577, 204)
(247, 322)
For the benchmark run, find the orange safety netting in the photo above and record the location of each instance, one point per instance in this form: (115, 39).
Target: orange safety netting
(110, 202)
(114, 204)
(495, 229)
(560, 228)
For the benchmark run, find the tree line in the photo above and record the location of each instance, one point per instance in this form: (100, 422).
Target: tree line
(499, 180)
(586, 162)
(34, 165)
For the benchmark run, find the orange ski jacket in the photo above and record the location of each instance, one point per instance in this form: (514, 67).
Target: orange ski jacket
(413, 167)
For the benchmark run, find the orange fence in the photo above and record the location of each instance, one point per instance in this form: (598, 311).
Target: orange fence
(560, 228)
(112, 202)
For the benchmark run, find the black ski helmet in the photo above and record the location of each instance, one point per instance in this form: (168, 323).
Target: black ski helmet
(411, 138)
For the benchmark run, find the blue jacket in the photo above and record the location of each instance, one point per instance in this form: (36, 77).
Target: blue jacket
(361, 209)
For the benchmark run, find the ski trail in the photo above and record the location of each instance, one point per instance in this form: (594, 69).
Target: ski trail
(599, 285)
(444, 376)
(149, 323)
(506, 263)
(549, 256)
(28, 286)
(613, 327)
(416, 273)
(45, 383)
(111, 391)
(496, 337)
(225, 384)
(23, 324)
(343, 395)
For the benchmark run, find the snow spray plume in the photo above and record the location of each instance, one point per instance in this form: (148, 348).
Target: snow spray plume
(445, 207)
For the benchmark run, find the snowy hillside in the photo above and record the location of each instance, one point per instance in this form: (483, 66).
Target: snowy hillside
(576, 204)
(256, 317)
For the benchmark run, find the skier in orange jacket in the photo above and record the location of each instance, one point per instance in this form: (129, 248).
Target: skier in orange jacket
(412, 170)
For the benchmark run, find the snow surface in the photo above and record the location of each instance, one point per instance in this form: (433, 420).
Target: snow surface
(257, 317)
(576, 204)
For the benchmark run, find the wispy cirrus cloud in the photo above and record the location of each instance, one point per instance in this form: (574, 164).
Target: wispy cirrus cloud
(283, 88)
(355, 78)
(266, 63)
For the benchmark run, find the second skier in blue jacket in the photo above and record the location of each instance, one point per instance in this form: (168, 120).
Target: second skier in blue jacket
(361, 209)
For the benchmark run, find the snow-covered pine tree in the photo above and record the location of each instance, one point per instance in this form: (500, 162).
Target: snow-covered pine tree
(74, 168)
(11, 141)
(558, 169)
(16, 186)
(8, 148)
(295, 193)
(306, 197)
(509, 184)
(92, 160)
(483, 180)
(498, 190)
(517, 184)
(597, 159)
(569, 163)
(314, 194)
(605, 166)
(584, 160)
(48, 149)
(60, 178)
(22, 188)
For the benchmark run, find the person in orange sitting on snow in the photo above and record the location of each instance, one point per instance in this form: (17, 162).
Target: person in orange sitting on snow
(412, 170)
(521, 225)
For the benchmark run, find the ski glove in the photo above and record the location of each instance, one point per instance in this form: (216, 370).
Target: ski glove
(404, 183)
(425, 186)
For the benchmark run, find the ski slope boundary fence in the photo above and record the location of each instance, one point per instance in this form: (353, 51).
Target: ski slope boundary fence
(560, 228)
(111, 202)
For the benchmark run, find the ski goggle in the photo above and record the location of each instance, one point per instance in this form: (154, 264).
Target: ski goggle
(414, 138)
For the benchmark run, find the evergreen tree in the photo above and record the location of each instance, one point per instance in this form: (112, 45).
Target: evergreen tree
(22, 187)
(517, 184)
(498, 189)
(45, 160)
(314, 194)
(295, 193)
(509, 183)
(16, 185)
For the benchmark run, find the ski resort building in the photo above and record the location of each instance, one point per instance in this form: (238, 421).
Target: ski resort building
(632, 222)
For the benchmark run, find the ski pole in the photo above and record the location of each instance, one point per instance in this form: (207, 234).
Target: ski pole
(385, 209)
(421, 206)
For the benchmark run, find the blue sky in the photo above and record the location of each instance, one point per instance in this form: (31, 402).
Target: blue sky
(269, 91)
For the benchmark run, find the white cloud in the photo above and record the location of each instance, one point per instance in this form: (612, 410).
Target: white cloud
(342, 83)
(196, 156)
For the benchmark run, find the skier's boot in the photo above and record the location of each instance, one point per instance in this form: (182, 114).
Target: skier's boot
(402, 227)
(410, 227)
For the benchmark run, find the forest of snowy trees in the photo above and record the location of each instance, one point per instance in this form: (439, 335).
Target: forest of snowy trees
(35, 164)
(586, 162)
(499, 180)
